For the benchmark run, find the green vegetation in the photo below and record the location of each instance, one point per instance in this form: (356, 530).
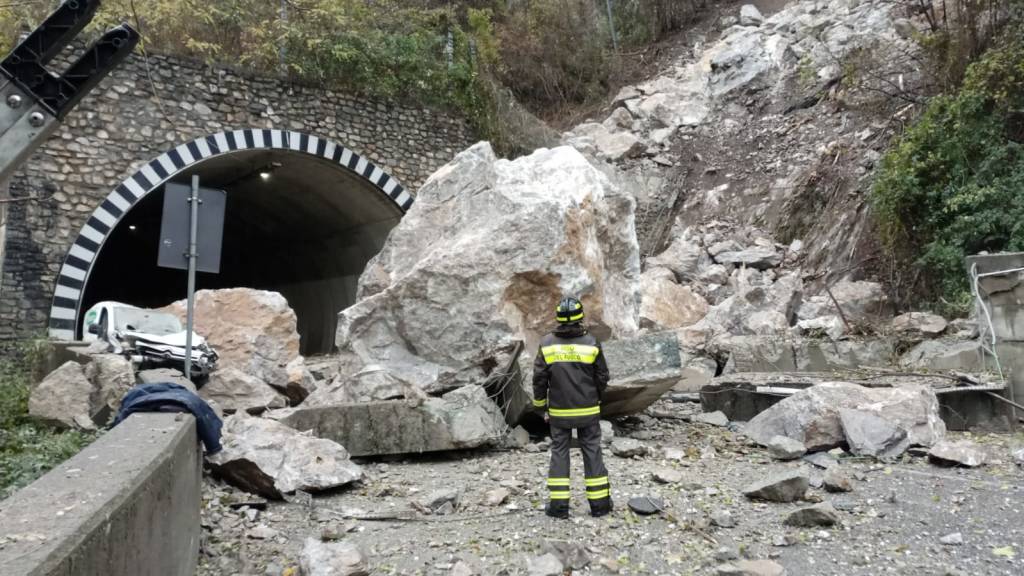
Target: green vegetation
(953, 185)
(460, 53)
(27, 449)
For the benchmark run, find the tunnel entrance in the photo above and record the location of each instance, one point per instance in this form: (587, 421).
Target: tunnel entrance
(297, 222)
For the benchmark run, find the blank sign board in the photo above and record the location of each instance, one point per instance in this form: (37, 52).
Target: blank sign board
(174, 228)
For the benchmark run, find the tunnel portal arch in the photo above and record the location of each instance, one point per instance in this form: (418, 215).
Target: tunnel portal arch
(81, 259)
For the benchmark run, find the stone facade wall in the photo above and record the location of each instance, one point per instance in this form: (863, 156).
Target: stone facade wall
(123, 125)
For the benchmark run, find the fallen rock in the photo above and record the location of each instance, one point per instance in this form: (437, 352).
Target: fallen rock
(234, 390)
(461, 419)
(787, 486)
(954, 539)
(871, 435)
(496, 497)
(750, 15)
(783, 448)
(812, 415)
(372, 383)
(666, 305)
(716, 418)
(628, 447)
(823, 514)
(270, 459)
(923, 323)
(573, 556)
(437, 501)
(461, 568)
(646, 505)
(821, 460)
(666, 476)
(112, 376)
(253, 331)
(945, 355)
(758, 258)
(494, 239)
(723, 519)
(751, 568)
(683, 257)
(1018, 456)
(545, 565)
(860, 301)
(64, 395)
(155, 375)
(332, 559)
(957, 453)
(835, 481)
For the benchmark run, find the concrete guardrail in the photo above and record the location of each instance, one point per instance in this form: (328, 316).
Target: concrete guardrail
(127, 505)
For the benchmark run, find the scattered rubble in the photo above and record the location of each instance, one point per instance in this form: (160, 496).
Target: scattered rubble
(628, 448)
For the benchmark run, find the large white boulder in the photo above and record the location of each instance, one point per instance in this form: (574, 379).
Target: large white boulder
(484, 255)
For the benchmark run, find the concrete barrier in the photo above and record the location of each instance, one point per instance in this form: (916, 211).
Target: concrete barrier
(127, 505)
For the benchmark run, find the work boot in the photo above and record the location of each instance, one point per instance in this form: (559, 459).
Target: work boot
(558, 510)
(600, 508)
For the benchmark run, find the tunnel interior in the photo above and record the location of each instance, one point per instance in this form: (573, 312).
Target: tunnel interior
(294, 223)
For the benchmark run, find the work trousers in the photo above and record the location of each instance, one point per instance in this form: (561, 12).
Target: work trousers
(595, 474)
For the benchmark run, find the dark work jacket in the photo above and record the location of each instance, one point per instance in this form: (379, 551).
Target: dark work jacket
(168, 397)
(569, 377)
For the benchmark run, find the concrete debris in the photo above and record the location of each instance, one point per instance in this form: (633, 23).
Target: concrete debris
(823, 514)
(920, 323)
(332, 559)
(957, 453)
(871, 435)
(270, 459)
(463, 418)
(573, 556)
(835, 481)
(234, 390)
(545, 565)
(812, 415)
(628, 448)
(254, 332)
(646, 505)
(787, 486)
(783, 448)
(716, 418)
(751, 568)
(494, 239)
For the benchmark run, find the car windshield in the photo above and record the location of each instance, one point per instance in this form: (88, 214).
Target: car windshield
(146, 321)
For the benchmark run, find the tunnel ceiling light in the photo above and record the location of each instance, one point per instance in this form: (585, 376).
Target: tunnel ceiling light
(132, 227)
(265, 174)
(267, 171)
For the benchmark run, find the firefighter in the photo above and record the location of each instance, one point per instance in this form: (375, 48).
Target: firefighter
(569, 379)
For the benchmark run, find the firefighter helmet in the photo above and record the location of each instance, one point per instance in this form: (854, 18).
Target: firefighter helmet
(569, 311)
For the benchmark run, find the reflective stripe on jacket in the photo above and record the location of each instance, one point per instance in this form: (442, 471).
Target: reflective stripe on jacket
(569, 377)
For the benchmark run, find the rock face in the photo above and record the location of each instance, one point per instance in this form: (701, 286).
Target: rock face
(332, 559)
(253, 331)
(64, 395)
(783, 487)
(482, 258)
(812, 416)
(270, 459)
(463, 418)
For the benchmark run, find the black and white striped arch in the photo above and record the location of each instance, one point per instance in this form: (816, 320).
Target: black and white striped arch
(67, 297)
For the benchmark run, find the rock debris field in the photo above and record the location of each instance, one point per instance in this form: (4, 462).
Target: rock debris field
(480, 512)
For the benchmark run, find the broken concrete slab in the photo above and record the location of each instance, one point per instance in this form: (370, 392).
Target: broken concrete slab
(957, 453)
(788, 486)
(270, 459)
(464, 418)
(811, 416)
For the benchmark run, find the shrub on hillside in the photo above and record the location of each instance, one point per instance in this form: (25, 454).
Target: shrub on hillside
(954, 183)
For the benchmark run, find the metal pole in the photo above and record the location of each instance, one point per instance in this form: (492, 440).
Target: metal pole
(193, 227)
(611, 25)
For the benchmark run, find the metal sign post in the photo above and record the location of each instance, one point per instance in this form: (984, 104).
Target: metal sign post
(190, 239)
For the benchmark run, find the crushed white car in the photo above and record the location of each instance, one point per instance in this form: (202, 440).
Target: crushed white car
(147, 337)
